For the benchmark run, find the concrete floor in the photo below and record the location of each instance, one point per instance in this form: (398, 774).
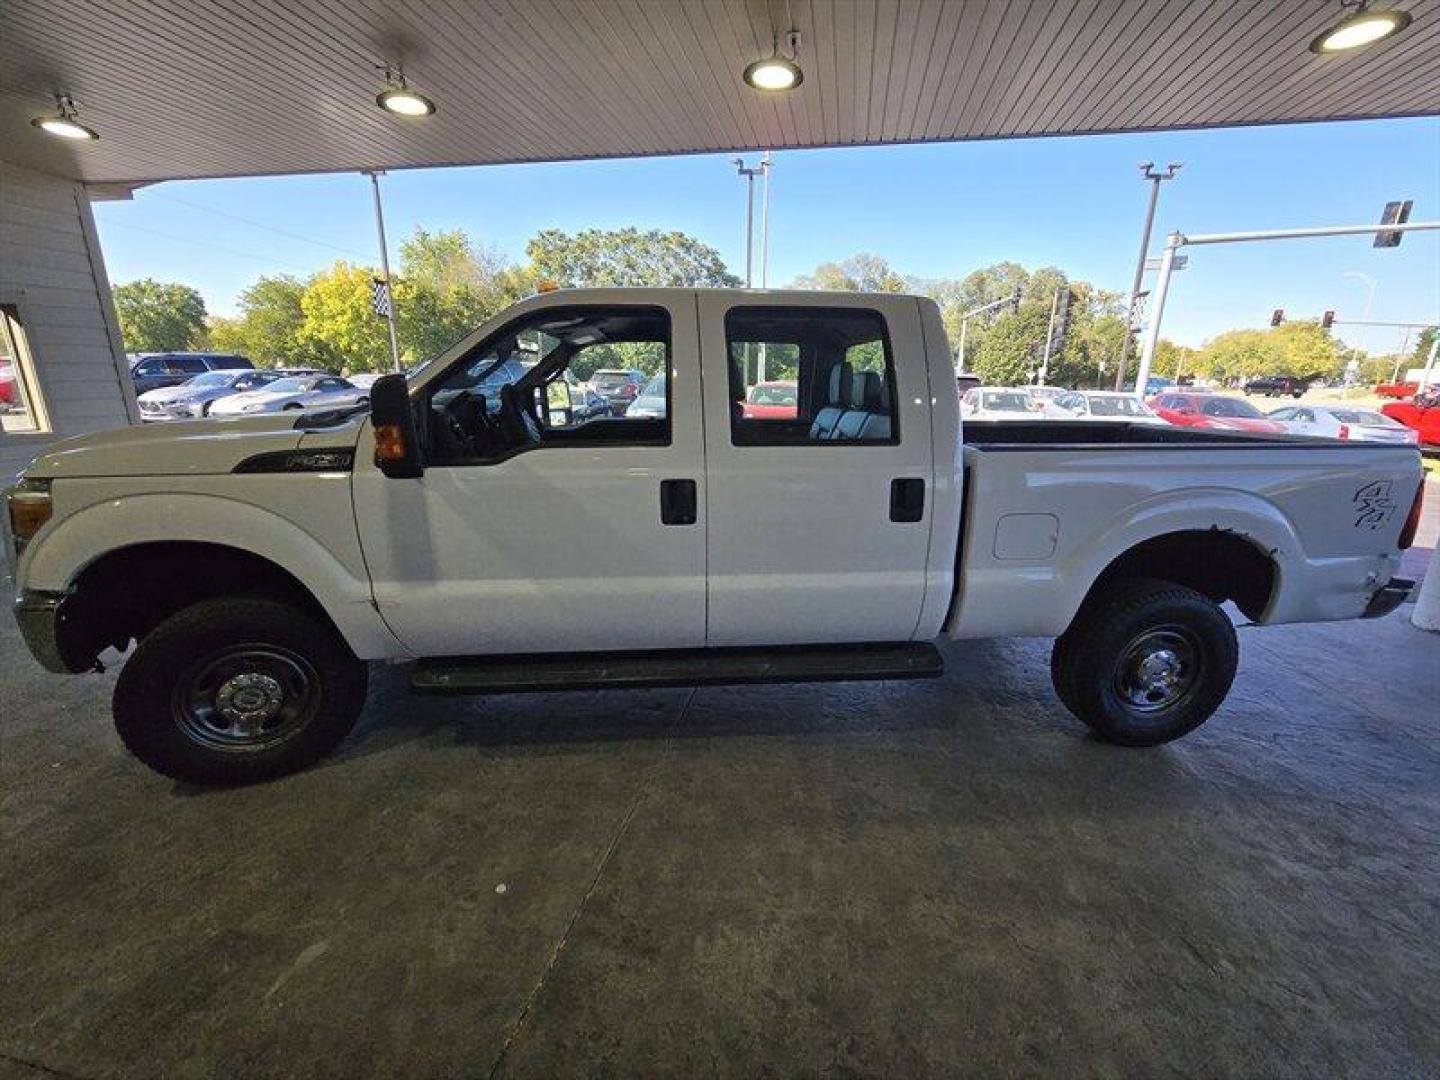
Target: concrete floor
(868, 879)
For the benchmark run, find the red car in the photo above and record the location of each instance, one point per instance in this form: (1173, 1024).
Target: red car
(1216, 411)
(771, 401)
(8, 397)
(1421, 418)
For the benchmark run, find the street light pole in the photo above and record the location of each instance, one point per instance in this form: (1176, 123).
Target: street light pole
(1147, 169)
(749, 174)
(374, 175)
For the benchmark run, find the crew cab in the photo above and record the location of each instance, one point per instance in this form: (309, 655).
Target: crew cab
(260, 564)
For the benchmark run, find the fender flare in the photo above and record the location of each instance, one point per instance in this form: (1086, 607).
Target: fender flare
(1221, 510)
(103, 527)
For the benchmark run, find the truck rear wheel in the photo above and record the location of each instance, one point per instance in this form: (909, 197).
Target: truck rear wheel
(1145, 662)
(236, 690)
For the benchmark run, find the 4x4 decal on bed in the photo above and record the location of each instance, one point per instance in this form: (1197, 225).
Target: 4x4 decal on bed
(1375, 505)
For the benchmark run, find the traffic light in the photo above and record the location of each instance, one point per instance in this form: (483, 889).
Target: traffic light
(1064, 301)
(1277, 316)
(1327, 320)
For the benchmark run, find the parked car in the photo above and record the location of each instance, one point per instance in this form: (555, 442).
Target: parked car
(966, 380)
(653, 400)
(9, 393)
(1421, 416)
(1107, 405)
(1156, 384)
(288, 395)
(364, 380)
(1041, 396)
(1276, 386)
(260, 566)
(195, 397)
(1338, 422)
(1216, 411)
(997, 403)
(618, 387)
(776, 400)
(151, 371)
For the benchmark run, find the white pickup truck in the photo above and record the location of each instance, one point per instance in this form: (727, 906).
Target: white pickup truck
(472, 525)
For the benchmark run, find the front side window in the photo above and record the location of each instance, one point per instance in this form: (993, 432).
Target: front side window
(21, 408)
(564, 376)
(189, 365)
(809, 375)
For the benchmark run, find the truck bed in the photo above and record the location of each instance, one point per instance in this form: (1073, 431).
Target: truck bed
(1044, 434)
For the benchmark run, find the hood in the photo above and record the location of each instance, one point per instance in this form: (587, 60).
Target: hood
(167, 395)
(251, 397)
(194, 448)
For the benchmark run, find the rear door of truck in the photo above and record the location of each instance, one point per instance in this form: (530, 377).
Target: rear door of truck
(818, 516)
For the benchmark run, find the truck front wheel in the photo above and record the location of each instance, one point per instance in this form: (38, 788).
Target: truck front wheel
(1145, 662)
(238, 689)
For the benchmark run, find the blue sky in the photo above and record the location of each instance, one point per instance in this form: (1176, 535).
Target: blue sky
(936, 210)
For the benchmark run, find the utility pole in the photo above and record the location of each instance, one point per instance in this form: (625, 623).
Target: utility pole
(375, 175)
(1049, 338)
(749, 174)
(1147, 170)
(766, 164)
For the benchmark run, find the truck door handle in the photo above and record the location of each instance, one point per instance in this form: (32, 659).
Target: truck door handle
(677, 502)
(907, 499)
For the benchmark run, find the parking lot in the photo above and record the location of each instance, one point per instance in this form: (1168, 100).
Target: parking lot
(892, 878)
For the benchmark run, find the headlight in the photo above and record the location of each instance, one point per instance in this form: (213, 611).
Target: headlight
(28, 507)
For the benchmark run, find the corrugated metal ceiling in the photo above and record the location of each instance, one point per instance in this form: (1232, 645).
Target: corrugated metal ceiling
(191, 88)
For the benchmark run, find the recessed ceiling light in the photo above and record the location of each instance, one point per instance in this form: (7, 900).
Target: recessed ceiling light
(399, 99)
(777, 71)
(63, 124)
(1361, 28)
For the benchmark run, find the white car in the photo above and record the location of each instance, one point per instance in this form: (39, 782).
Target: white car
(365, 379)
(196, 397)
(1108, 405)
(839, 543)
(1040, 396)
(997, 403)
(1338, 422)
(301, 392)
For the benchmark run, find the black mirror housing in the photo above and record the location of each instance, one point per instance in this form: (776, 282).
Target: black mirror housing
(397, 438)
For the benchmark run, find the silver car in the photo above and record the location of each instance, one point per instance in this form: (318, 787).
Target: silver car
(193, 399)
(1343, 422)
(301, 392)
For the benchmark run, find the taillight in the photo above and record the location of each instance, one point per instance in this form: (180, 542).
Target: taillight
(1344, 431)
(1412, 523)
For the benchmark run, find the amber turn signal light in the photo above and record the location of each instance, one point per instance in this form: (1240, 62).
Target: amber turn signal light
(389, 443)
(30, 508)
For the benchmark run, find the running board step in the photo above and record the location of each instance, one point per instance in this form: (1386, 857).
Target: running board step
(675, 667)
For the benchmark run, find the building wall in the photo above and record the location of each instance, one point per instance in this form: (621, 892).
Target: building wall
(52, 271)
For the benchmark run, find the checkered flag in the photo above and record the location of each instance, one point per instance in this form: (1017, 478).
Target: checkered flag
(380, 297)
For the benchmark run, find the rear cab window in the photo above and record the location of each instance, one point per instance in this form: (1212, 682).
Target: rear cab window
(831, 369)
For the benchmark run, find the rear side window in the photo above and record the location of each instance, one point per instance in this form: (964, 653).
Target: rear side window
(189, 365)
(840, 365)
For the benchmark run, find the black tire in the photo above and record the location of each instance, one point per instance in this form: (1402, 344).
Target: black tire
(1145, 662)
(236, 690)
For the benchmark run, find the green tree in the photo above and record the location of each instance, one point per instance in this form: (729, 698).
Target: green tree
(267, 328)
(1239, 354)
(1012, 349)
(862, 272)
(1308, 350)
(1423, 344)
(340, 324)
(625, 257)
(159, 316)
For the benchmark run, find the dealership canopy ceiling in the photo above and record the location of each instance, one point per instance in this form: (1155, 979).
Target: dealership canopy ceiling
(194, 88)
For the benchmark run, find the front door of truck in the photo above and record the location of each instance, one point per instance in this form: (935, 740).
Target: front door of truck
(819, 469)
(534, 529)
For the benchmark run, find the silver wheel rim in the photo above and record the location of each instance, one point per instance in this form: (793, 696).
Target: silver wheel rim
(246, 698)
(1159, 669)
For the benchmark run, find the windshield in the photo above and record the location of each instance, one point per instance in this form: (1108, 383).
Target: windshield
(211, 378)
(1225, 406)
(655, 387)
(1363, 417)
(1117, 406)
(1007, 401)
(289, 386)
(772, 395)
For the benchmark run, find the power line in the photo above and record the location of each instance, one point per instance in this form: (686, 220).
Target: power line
(261, 225)
(267, 259)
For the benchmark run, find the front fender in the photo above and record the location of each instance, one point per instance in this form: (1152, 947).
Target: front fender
(63, 550)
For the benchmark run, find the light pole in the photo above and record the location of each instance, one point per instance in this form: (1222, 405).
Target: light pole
(1369, 284)
(749, 174)
(1147, 170)
(374, 175)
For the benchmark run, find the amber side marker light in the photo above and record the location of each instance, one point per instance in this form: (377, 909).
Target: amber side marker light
(29, 508)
